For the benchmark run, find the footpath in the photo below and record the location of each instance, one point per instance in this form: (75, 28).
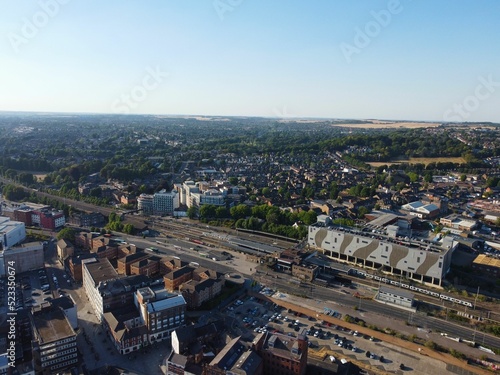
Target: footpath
(315, 308)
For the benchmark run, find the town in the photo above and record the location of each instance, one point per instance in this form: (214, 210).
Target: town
(190, 238)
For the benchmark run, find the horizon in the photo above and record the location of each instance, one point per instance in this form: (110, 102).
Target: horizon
(383, 59)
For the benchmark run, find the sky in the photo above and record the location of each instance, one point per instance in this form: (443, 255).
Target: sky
(427, 60)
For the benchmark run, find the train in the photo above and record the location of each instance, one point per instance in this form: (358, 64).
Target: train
(414, 288)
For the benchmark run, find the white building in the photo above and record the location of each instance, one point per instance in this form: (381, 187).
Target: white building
(26, 257)
(145, 203)
(165, 202)
(11, 232)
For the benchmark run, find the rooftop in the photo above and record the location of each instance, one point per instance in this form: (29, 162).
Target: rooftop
(102, 270)
(51, 325)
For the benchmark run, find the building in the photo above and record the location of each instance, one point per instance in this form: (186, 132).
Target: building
(65, 249)
(397, 297)
(11, 232)
(125, 329)
(282, 354)
(164, 203)
(305, 272)
(175, 278)
(48, 219)
(84, 240)
(68, 306)
(190, 339)
(149, 266)
(123, 264)
(145, 204)
(54, 340)
(456, 222)
(487, 265)
(92, 219)
(96, 274)
(160, 311)
(75, 265)
(422, 210)
(236, 358)
(26, 257)
(422, 261)
(204, 286)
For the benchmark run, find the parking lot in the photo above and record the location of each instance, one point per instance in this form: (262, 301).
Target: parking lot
(254, 316)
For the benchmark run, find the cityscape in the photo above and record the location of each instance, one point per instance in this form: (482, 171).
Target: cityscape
(238, 187)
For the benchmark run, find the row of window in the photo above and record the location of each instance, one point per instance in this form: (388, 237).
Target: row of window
(47, 357)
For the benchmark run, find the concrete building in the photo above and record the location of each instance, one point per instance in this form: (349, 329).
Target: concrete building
(11, 232)
(282, 354)
(54, 340)
(164, 203)
(68, 306)
(160, 311)
(424, 262)
(94, 275)
(397, 297)
(305, 272)
(145, 204)
(26, 257)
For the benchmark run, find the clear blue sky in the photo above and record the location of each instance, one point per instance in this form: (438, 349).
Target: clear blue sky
(253, 58)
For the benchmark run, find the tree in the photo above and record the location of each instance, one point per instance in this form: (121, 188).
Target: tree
(233, 181)
(240, 211)
(192, 212)
(66, 234)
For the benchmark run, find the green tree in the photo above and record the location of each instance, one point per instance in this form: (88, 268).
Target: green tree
(192, 212)
(66, 234)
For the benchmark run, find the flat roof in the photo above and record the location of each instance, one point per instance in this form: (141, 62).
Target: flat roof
(52, 325)
(485, 260)
(102, 270)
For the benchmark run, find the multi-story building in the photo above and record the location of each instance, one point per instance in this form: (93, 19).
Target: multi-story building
(54, 340)
(11, 232)
(305, 272)
(204, 286)
(75, 265)
(84, 240)
(123, 264)
(145, 204)
(147, 267)
(95, 274)
(282, 354)
(125, 329)
(92, 219)
(176, 277)
(487, 265)
(168, 264)
(162, 312)
(48, 219)
(236, 358)
(424, 262)
(64, 249)
(26, 257)
(165, 202)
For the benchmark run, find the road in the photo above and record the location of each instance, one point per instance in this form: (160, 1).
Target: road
(341, 298)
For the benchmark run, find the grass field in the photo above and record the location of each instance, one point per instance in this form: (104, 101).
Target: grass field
(377, 124)
(419, 161)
